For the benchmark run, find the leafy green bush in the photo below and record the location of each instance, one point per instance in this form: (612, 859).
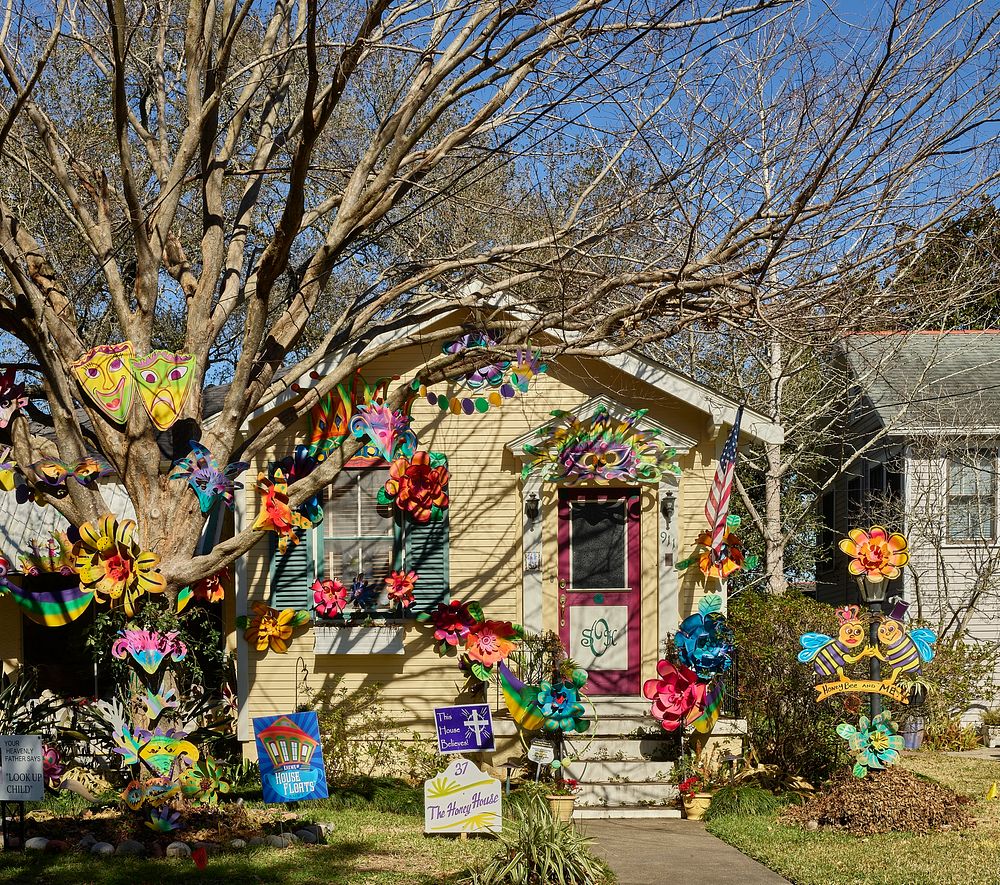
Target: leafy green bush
(959, 676)
(742, 799)
(950, 735)
(786, 726)
(536, 849)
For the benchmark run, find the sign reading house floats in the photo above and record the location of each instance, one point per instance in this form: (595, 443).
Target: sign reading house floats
(462, 799)
(465, 729)
(290, 757)
(21, 762)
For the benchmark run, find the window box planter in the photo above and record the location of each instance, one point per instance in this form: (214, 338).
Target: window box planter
(344, 639)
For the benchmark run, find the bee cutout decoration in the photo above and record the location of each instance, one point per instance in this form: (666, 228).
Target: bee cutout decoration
(903, 651)
(829, 656)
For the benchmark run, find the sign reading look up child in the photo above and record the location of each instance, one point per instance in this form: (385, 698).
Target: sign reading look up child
(291, 757)
(21, 763)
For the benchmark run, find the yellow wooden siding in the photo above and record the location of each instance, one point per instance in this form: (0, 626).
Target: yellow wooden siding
(485, 539)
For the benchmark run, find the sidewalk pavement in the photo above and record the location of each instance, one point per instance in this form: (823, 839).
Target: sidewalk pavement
(663, 850)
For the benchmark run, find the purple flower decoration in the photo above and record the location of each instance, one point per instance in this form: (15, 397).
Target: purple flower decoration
(148, 648)
(207, 478)
(164, 820)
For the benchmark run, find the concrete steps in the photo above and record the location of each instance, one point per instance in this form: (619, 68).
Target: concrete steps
(625, 811)
(607, 794)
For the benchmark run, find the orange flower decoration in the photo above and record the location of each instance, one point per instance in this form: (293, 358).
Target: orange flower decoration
(417, 487)
(489, 642)
(211, 589)
(400, 587)
(730, 561)
(275, 513)
(875, 554)
(273, 628)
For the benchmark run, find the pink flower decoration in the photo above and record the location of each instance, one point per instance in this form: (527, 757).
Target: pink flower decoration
(148, 648)
(673, 694)
(400, 586)
(452, 621)
(329, 597)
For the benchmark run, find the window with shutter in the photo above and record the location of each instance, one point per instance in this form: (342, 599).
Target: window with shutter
(425, 551)
(292, 573)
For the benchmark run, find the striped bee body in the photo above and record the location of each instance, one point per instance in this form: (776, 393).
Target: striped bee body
(829, 660)
(902, 656)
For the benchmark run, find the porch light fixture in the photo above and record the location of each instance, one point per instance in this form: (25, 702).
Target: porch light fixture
(667, 505)
(532, 507)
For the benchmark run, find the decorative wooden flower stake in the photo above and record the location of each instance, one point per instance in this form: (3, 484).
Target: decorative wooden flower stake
(275, 512)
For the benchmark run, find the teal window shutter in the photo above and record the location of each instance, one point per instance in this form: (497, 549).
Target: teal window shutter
(292, 573)
(425, 551)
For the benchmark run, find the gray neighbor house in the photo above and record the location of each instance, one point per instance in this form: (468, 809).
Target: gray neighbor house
(923, 441)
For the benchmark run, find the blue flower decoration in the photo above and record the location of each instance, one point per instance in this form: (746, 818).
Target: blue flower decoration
(560, 704)
(705, 640)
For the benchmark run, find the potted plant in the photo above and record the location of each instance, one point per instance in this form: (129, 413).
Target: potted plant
(991, 728)
(562, 798)
(696, 778)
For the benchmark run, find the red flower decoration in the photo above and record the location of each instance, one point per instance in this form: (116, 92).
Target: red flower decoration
(400, 586)
(489, 642)
(418, 488)
(210, 589)
(329, 597)
(452, 621)
(673, 694)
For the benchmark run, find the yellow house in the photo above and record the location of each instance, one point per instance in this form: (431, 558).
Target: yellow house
(591, 560)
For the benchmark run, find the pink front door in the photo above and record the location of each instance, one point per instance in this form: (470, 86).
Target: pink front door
(599, 596)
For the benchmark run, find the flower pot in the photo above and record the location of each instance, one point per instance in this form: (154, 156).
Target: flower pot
(913, 734)
(696, 804)
(562, 807)
(991, 735)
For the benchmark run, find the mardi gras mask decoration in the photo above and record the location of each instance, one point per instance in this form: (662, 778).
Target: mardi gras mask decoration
(12, 396)
(104, 373)
(388, 429)
(149, 648)
(205, 476)
(164, 381)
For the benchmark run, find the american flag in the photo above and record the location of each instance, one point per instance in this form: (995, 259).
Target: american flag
(717, 505)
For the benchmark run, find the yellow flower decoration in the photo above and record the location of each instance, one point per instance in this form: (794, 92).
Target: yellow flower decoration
(272, 628)
(111, 563)
(875, 554)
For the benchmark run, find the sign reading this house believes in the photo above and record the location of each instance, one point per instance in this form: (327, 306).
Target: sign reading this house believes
(21, 763)
(465, 729)
(290, 756)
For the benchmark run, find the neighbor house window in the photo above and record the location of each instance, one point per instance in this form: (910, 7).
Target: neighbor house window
(358, 535)
(971, 497)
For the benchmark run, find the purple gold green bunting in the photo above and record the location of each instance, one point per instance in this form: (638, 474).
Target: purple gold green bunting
(599, 448)
(52, 608)
(521, 699)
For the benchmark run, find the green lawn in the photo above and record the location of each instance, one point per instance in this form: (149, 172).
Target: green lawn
(820, 858)
(368, 848)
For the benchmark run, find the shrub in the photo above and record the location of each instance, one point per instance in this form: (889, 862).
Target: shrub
(894, 800)
(991, 717)
(960, 675)
(743, 800)
(536, 849)
(950, 734)
(786, 727)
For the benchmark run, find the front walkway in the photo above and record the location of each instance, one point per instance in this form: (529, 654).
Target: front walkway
(649, 851)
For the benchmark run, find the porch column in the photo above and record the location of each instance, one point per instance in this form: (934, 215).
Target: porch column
(531, 566)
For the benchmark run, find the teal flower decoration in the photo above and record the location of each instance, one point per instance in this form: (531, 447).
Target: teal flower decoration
(560, 704)
(874, 742)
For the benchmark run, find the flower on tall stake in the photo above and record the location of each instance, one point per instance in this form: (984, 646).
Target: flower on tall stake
(875, 554)
(52, 767)
(451, 622)
(111, 563)
(874, 742)
(417, 486)
(400, 587)
(560, 704)
(705, 640)
(673, 695)
(204, 782)
(489, 642)
(329, 597)
(723, 563)
(270, 628)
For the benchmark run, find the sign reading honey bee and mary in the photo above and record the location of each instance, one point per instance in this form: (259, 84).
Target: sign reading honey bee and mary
(902, 652)
(290, 756)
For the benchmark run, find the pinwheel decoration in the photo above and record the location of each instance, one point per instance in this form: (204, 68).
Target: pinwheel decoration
(330, 597)
(874, 742)
(559, 703)
(705, 640)
(210, 482)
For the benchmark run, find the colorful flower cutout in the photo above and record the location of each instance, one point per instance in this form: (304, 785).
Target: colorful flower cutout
(451, 621)
(149, 648)
(330, 597)
(674, 694)
(52, 766)
(275, 512)
(400, 587)
(722, 563)
(212, 588)
(270, 628)
(204, 782)
(164, 820)
(874, 742)
(489, 642)
(111, 564)
(875, 554)
(418, 487)
(206, 477)
(705, 641)
(559, 703)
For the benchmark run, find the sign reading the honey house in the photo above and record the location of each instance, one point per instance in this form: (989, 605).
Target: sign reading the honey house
(462, 799)
(291, 757)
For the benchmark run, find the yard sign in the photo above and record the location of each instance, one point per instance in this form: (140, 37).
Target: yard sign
(21, 761)
(291, 757)
(464, 729)
(462, 799)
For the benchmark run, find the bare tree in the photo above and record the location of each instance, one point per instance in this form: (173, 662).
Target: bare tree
(260, 185)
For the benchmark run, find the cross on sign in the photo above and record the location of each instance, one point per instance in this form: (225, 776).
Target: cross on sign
(477, 724)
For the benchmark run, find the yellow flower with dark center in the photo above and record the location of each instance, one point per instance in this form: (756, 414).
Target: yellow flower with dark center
(111, 564)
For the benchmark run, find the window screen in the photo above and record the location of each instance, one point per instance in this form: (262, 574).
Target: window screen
(597, 545)
(971, 493)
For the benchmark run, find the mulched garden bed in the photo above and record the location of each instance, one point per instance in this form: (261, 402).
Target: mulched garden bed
(894, 800)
